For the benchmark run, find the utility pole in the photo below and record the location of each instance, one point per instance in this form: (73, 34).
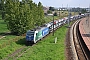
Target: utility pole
(67, 9)
(69, 19)
(62, 5)
(53, 24)
(62, 9)
(88, 20)
(88, 15)
(79, 9)
(59, 11)
(69, 15)
(74, 11)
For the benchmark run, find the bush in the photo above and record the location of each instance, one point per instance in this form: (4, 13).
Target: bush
(49, 11)
(55, 14)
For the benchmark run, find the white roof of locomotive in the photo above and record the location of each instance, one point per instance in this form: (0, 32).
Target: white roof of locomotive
(40, 28)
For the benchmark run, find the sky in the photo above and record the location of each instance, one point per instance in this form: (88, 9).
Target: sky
(65, 3)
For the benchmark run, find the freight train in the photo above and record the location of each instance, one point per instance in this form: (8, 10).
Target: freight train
(40, 32)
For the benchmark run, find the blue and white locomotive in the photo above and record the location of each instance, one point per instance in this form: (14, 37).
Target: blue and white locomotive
(35, 35)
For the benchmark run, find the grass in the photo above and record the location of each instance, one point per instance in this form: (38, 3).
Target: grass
(8, 50)
(7, 38)
(13, 46)
(9, 43)
(50, 18)
(3, 27)
(47, 49)
(0, 17)
(43, 50)
(64, 14)
(3, 30)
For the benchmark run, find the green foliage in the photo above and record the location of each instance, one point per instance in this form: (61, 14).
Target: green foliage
(83, 11)
(40, 14)
(3, 27)
(55, 14)
(52, 8)
(22, 16)
(4, 52)
(49, 11)
(2, 8)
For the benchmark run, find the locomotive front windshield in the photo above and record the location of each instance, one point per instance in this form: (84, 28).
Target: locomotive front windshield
(30, 33)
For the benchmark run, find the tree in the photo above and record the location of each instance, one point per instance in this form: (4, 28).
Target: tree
(52, 8)
(83, 11)
(55, 14)
(40, 11)
(22, 16)
(2, 8)
(12, 16)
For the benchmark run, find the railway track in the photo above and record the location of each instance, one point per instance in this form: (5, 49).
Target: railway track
(76, 44)
(15, 54)
(19, 52)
